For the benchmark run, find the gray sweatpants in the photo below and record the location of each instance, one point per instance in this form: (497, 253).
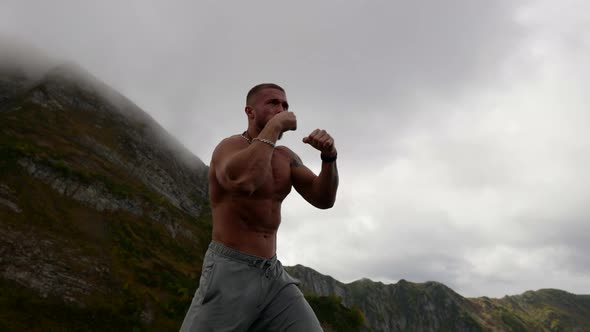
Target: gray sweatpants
(241, 292)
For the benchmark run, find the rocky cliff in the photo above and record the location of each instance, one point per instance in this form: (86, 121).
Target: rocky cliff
(103, 214)
(431, 306)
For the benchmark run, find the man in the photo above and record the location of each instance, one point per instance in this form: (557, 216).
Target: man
(243, 286)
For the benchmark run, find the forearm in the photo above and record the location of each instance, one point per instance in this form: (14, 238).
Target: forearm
(325, 185)
(248, 168)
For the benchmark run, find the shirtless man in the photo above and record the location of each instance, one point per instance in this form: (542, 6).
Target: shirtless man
(243, 287)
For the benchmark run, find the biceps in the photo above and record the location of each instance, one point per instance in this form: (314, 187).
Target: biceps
(303, 179)
(221, 162)
(222, 176)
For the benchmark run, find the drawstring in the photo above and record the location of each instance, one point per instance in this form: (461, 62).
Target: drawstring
(268, 266)
(269, 269)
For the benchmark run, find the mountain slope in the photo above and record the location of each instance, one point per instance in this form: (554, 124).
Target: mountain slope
(402, 307)
(432, 306)
(103, 215)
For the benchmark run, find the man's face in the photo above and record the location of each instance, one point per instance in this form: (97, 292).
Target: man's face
(268, 103)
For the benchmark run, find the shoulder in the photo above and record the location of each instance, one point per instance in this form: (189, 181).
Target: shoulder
(234, 140)
(228, 145)
(293, 157)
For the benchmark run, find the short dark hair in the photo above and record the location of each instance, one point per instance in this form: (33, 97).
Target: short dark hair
(260, 87)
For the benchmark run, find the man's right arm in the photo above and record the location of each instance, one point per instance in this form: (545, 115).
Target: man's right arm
(244, 168)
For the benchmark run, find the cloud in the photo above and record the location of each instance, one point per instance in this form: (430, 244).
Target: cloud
(461, 125)
(336, 60)
(490, 193)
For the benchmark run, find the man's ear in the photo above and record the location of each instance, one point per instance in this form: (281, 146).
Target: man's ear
(249, 112)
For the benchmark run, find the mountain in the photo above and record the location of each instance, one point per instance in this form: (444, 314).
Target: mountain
(104, 216)
(431, 306)
(104, 221)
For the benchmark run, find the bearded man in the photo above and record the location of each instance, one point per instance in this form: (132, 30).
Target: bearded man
(243, 286)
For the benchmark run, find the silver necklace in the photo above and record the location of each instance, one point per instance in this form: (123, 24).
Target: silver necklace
(246, 138)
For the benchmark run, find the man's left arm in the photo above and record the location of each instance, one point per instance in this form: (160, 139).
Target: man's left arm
(320, 190)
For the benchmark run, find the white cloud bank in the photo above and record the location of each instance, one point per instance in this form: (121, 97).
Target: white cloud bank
(461, 125)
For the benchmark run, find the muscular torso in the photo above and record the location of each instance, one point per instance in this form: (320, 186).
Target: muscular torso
(249, 223)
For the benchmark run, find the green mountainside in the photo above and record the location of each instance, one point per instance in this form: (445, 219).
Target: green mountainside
(431, 306)
(104, 217)
(104, 221)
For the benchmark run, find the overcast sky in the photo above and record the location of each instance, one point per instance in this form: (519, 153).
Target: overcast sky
(461, 125)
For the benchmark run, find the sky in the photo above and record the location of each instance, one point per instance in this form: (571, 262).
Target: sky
(461, 125)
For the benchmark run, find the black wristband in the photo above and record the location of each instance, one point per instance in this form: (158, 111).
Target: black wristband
(328, 159)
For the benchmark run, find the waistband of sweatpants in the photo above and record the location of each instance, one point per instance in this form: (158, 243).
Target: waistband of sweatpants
(252, 260)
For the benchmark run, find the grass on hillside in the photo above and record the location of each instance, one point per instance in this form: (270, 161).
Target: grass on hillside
(151, 273)
(335, 316)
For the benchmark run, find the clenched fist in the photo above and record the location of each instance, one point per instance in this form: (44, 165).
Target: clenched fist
(321, 141)
(285, 120)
